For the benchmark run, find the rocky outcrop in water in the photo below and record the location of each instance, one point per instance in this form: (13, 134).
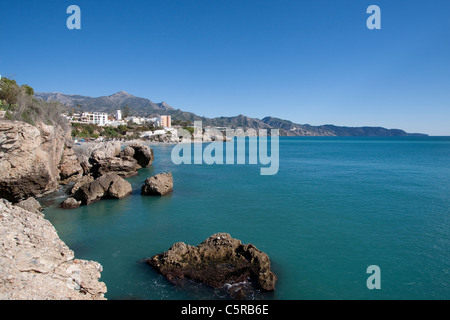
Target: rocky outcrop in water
(35, 264)
(143, 154)
(107, 186)
(70, 203)
(158, 185)
(107, 157)
(30, 159)
(220, 261)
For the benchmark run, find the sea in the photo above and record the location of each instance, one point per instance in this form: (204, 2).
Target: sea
(337, 207)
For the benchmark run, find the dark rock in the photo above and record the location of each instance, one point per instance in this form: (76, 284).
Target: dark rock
(220, 261)
(143, 154)
(158, 185)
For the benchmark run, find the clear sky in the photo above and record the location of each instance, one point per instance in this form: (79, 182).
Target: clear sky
(309, 61)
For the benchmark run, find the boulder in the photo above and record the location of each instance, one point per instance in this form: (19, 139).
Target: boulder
(70, 203)
(124, 166)
(219, 262)
(143, 154)
(70, 167)
(81, 182)
(107, 186)
(158, 185)
(106, 157)
(35, 264)
(127, 151)
(31, 205)
(109, 149)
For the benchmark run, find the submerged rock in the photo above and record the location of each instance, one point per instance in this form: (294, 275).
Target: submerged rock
(70, 203)
(158, 185)
(219, 262)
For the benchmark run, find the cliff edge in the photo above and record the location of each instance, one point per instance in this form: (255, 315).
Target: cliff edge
(35, 264)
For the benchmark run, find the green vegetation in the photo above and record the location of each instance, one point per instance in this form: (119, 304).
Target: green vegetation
(92, 131)
(20, 104)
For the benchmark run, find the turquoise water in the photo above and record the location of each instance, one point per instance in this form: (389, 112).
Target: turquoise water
(336, 206)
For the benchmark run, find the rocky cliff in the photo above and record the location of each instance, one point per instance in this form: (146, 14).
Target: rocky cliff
(32, 159)
(35, 264)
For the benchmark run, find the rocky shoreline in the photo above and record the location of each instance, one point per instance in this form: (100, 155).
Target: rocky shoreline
(36, 264)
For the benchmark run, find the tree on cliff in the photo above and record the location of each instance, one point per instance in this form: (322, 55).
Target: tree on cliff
(20, 104)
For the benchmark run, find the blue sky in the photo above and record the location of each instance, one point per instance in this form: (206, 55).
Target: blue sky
(310, 61)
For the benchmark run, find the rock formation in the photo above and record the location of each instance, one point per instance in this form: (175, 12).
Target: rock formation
(143, 154)
(35, 264)
(106, 186)
(106, 157)
(69, 166)
(158, 185)
(220, 261)
(30, 159)
(70, 203)
(31, 205)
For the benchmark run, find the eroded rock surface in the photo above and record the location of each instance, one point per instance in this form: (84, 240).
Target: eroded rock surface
(107, 186)
(158, 185)
(35, 264)
(220, 261)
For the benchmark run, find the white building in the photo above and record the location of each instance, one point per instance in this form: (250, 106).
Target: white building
(118, 115)
(98, 118)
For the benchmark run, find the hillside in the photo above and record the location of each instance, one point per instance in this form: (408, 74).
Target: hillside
(145, 107)
(109, 104)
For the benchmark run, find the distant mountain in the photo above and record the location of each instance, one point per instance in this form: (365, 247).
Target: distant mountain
(144, 107)
(109, 104)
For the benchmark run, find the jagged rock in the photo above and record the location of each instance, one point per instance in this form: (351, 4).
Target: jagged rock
(143, 154)
(127, 151)
(107, 186)
(158, 185)
(29, 159)
(31, 205)
(85, 164)
(70, 203)
(70, 167)
(110, 149)
(35, 264)
(80, 182)
(220, 261)
(106, 157)
(123, 166)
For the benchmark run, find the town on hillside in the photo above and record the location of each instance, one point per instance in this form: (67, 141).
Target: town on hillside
(144, 127)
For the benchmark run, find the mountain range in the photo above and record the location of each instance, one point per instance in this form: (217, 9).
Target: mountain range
(144, 107)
